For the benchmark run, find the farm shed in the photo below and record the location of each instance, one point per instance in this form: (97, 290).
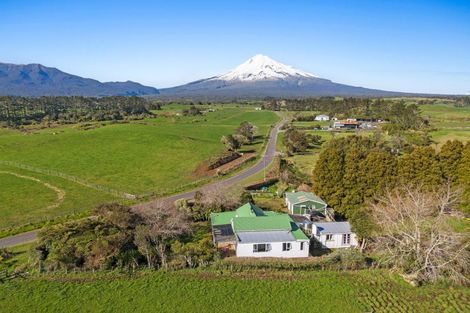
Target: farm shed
(303, 203)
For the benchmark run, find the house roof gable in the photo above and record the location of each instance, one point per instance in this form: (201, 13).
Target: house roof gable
(302, 196)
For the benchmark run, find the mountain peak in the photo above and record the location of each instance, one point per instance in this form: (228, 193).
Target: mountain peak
(261, 67)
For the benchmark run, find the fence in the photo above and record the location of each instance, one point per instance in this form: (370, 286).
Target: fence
(71, 178)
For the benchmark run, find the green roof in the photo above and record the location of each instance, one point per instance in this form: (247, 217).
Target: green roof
(262, 223)
(302, 196)
(246, 210)
(249, 217)
(297, 232)
(249, 210)
(222, 218)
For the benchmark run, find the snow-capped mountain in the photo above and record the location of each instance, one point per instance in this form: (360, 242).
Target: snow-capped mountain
(261, 67)
(260, 77)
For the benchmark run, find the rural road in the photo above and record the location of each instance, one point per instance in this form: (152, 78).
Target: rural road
(267, 158)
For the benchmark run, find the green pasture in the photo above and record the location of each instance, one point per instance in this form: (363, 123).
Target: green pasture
(221, 291)
(449, 122)
(157, 155)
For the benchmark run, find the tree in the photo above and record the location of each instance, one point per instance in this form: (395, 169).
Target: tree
(230, 142)
(378, 172)
(145, 245)
(328, 173)
(118, 214)
(295, 141)
(463, 179)
(163, 226)
(449, 159)
(414, 236)
(247, 130)
(192, 111)
(215, 199)
(421, 168)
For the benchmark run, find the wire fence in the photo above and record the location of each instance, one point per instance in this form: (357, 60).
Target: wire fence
(72, 178)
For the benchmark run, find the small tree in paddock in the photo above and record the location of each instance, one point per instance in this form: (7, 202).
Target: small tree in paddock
(231, 142)
(247, 130)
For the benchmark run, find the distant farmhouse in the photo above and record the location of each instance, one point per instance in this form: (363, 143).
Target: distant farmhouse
(251, 232)
(333, 235)
(322, 117)
(347, 124)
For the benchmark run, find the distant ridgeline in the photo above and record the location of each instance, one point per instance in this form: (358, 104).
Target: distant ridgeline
(16, 111)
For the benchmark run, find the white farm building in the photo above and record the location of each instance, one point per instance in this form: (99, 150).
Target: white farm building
(322, 117)
(333, 235)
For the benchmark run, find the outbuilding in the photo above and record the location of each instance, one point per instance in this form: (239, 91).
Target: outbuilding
(303, 203)
(333, 235)
(322, 117)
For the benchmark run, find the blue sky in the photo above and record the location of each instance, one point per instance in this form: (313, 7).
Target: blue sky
(415, 46)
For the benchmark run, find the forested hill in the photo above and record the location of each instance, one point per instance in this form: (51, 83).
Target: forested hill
(38, 80)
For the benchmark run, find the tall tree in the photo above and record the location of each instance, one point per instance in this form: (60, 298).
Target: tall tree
(421, 168)
(449, 158)
(463, 179)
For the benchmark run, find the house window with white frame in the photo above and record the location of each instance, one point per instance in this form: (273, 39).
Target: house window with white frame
(346, 239)
(261, 247)
(286, 246)
(329, 237)
(301, 245)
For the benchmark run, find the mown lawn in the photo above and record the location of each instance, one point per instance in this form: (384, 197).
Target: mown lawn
(157, 155)
(210, 291)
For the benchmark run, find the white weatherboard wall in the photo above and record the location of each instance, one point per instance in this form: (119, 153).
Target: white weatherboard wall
(336, 241)
(246, 250)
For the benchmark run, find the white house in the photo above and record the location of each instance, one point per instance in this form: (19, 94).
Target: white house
(334, 235)
(252, 232)
(322, 117)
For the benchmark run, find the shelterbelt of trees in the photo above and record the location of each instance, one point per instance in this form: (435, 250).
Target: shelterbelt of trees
(402, 205)
(406, 116)
(16, 111)
(352, 170)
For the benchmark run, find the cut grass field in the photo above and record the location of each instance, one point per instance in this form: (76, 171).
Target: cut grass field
(157, 155)
(449, 121)
(210, 291)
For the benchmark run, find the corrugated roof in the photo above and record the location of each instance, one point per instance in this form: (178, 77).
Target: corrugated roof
(333, 227)
(249, 209)
(262, 223)
(265, 236)
(302, 196)
(250, 218)
(222, 218)
(246, 210)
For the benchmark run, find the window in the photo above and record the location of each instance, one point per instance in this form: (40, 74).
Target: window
(329, 237)
(301, 245)
(286, 246)
(346, 239)
(261, 247)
